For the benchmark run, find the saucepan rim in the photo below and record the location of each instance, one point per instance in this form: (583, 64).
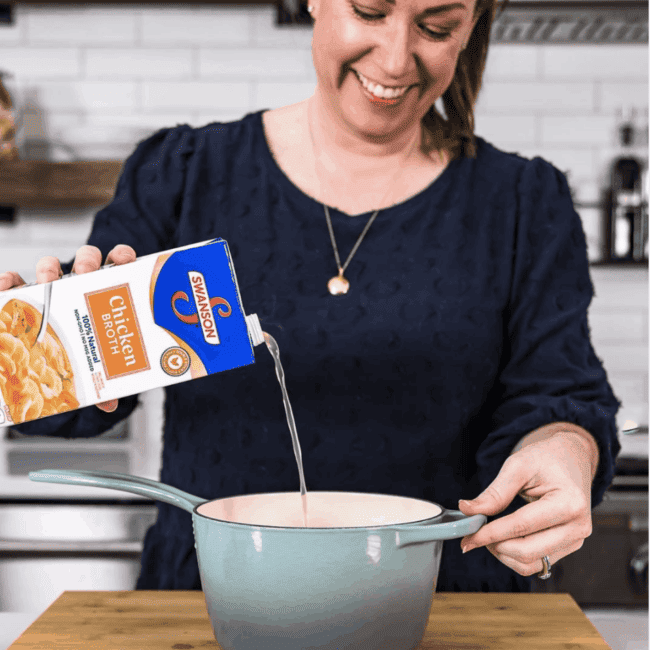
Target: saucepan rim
(425, 521)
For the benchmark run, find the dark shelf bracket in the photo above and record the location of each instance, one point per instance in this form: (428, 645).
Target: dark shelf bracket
(7, 213)
(6, 14)
(293, 12)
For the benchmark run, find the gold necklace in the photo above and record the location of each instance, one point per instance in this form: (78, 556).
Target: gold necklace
(339, 284)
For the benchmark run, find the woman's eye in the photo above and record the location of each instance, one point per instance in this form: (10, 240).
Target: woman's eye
(441, 36)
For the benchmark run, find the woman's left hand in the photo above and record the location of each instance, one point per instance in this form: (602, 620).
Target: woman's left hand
(555, 477)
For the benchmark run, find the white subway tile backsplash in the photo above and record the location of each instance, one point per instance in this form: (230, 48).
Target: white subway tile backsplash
(199, 95)
(87, 95)
(628, 387)
(199, 25)
(254, 62)
(82, 25)
(623, 357)
(539, 98)
(619, 289)
(612, 327)
(579, 162)
(567, 130)
(591, 225)
(614, 95)
(612, 62)
(275, 95)
(139, 63)
(506, 132)
(512, 62)
(591, 190)
(56, 123)
(22, 258)
(41, 63)
(56, 229)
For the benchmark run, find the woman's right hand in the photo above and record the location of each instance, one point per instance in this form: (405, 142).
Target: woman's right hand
(87, 259)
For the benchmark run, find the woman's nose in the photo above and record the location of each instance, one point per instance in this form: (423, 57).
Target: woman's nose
(397, 52)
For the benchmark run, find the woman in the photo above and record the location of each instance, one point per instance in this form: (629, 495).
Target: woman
(443, 354)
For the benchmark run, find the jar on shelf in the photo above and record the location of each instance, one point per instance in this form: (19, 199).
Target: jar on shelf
(8, 149)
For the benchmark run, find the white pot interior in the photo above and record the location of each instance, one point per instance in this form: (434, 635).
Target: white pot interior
(324, 510)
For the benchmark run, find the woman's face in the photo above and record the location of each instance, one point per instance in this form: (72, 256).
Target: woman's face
(395, 43)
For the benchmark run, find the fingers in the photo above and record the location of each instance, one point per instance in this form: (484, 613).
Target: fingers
(552, 510)
(516, 475)
(87, 259)
(107, 407)
(9, 280)
(555, 525)
(525, 555)
(48, 269)
(121, 254)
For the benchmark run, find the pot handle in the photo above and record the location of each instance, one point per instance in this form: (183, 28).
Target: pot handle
(451, 524)
(113, 481)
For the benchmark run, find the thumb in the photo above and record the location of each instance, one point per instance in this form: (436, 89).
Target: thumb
(497, 496)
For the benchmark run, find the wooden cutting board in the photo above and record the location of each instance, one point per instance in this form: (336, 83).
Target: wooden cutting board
(178, 620)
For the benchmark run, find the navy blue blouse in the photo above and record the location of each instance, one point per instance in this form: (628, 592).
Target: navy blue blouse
(465, 328)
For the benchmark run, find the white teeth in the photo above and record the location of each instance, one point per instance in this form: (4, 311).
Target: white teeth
(379, 91)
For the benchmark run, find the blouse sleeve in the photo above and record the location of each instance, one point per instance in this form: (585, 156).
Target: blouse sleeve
(549, 372)
(145, 210)
(144, 214)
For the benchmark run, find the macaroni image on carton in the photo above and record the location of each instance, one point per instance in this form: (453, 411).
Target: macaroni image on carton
(163, 319)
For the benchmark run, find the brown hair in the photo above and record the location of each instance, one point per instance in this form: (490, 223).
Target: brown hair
(456, 133)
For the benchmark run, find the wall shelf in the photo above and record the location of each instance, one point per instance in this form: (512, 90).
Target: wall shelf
(36, 184)
(624, 264)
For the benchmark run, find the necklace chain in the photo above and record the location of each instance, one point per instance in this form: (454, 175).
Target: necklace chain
(354, 249)
(341, 269)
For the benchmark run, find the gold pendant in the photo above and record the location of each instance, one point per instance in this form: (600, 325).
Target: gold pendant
(338, 285)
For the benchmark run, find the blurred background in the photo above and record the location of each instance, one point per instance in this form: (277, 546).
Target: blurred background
(84, 83)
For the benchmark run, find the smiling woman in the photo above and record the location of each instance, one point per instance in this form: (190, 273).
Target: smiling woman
(438, 363)
(438, 50)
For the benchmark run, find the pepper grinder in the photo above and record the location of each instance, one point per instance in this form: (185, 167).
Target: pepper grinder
(626, 223)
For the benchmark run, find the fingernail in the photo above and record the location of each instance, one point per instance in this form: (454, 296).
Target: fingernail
(466, 548)
(110, 406)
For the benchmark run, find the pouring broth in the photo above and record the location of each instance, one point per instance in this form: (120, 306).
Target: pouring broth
(272, 345)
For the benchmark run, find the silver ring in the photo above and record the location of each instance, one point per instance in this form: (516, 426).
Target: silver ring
(547, 569)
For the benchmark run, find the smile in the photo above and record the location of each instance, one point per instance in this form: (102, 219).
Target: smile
(377, 91)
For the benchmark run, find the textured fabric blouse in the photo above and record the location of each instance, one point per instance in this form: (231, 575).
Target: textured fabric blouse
(465, 328)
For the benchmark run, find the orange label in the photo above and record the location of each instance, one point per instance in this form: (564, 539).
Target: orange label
(118, 333)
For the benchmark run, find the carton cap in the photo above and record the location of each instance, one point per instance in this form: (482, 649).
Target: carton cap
(255, 329)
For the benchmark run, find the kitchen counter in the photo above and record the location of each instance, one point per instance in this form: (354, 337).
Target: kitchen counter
(178, 619)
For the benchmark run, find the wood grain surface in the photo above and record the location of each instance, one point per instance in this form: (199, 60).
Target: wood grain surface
(36, 184)
(178, 620)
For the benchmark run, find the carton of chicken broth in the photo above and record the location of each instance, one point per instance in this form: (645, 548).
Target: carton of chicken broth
(163, 319)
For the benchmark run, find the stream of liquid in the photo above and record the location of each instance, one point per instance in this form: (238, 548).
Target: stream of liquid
(272, 345)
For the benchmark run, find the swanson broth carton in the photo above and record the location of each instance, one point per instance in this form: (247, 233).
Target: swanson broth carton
(163, 319)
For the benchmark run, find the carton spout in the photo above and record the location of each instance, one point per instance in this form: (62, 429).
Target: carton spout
(255, 329)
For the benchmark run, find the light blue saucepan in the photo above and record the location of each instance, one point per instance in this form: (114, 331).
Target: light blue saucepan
(360, 576)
